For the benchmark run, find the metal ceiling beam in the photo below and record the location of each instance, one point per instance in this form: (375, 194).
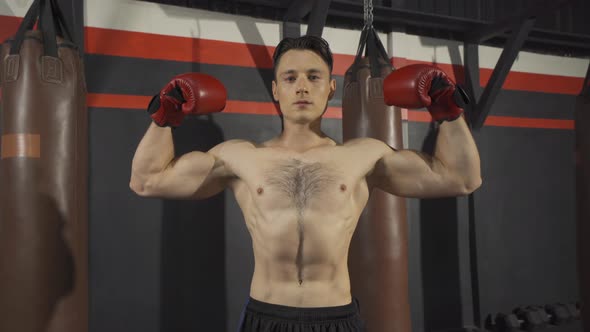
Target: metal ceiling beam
(388, 17)
(291, 29)
(354, 9)
(493, 30)
(521, 26)
(586, 87)
(298, 9)
(513, 46)
(317, 18)
(560, 39)
(471, 85)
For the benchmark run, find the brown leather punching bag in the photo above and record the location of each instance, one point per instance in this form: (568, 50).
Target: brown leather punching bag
(43, 177)
(378, 260)
(582, 120)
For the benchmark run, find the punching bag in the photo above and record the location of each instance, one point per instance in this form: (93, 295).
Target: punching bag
(43, 176)
(582, 121)
(378, 262)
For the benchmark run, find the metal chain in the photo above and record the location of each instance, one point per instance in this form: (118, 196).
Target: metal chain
(368, 13)
(365, 11)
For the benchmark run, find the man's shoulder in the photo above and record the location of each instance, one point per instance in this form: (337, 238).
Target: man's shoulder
(366, 143)
(240, 143)
(231, 146)
(367, 149)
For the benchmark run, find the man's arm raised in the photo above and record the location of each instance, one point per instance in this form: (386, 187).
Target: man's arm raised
(155, 172)
(195, 175)
(454, 167)
(452, 170)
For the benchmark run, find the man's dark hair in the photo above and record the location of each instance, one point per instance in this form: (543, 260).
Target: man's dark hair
(312, 43)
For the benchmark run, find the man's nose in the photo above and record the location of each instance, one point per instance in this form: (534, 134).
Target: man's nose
(302, 85)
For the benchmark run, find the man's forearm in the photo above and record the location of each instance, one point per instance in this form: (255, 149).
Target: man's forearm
(154, 153)
(456, 150)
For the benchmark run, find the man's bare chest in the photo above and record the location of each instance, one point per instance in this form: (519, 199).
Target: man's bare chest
(302, 182)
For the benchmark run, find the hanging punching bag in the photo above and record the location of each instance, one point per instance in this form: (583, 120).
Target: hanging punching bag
(43, 176)
(378, 261)
(582, 120)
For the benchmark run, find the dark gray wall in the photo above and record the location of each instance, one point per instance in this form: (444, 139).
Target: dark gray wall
(186, 266)
(167, 265)
(164, 265)
(524, 218)
(161, 265)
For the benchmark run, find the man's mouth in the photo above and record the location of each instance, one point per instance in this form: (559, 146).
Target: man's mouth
(303, 102)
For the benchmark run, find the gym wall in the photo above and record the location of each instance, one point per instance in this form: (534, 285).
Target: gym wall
(158, 265)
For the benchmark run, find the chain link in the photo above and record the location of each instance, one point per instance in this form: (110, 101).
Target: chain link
(368, 13)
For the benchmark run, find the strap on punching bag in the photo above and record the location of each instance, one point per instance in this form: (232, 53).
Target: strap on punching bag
(27, 24)
(370, 44)
(378, 253)
(46, 11)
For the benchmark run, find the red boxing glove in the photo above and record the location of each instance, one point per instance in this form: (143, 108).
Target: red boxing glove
(190, 93)
(417, 86)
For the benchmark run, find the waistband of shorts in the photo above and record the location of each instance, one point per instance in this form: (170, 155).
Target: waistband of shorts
(303, 314)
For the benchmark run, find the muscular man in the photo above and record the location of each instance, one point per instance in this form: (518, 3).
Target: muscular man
(301, 192)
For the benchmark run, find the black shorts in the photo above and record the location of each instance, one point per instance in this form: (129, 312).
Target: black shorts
(266, 317)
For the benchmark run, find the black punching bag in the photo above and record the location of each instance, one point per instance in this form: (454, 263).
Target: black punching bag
(378, 260)
(582, 120)
(43, 176)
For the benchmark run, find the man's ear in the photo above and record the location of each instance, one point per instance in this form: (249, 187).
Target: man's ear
(332, 89)
(274, 91)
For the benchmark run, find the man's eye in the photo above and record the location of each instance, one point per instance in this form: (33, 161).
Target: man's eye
(314, 77)
(290, 79)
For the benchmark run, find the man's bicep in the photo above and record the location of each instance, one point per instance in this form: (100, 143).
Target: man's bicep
(221, 175)
(183, 176)
(412, 173)
(217, 180)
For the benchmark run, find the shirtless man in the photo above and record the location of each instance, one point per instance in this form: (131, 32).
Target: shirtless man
(302, 193)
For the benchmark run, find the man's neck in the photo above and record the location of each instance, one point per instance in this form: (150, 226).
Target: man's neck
(302, 137)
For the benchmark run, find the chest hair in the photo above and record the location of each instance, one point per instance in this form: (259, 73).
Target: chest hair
(301, 181)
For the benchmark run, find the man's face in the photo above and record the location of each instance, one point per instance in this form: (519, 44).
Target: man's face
(302, 86)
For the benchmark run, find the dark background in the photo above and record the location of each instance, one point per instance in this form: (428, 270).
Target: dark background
(158, 265)
(178, 263)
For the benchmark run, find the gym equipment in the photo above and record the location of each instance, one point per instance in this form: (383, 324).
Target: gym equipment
(43, 171)
(378, 259)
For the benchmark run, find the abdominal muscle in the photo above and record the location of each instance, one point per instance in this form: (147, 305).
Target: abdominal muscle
(301, 259)
(301, 213)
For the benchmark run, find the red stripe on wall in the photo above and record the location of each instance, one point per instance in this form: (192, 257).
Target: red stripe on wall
(162, 47)
(8, 26)
(172, 48)
(101, 100)
(536, 82)
(266, 108)
(141, 45)
(508, 121)
(503, 121)
(514, 81)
